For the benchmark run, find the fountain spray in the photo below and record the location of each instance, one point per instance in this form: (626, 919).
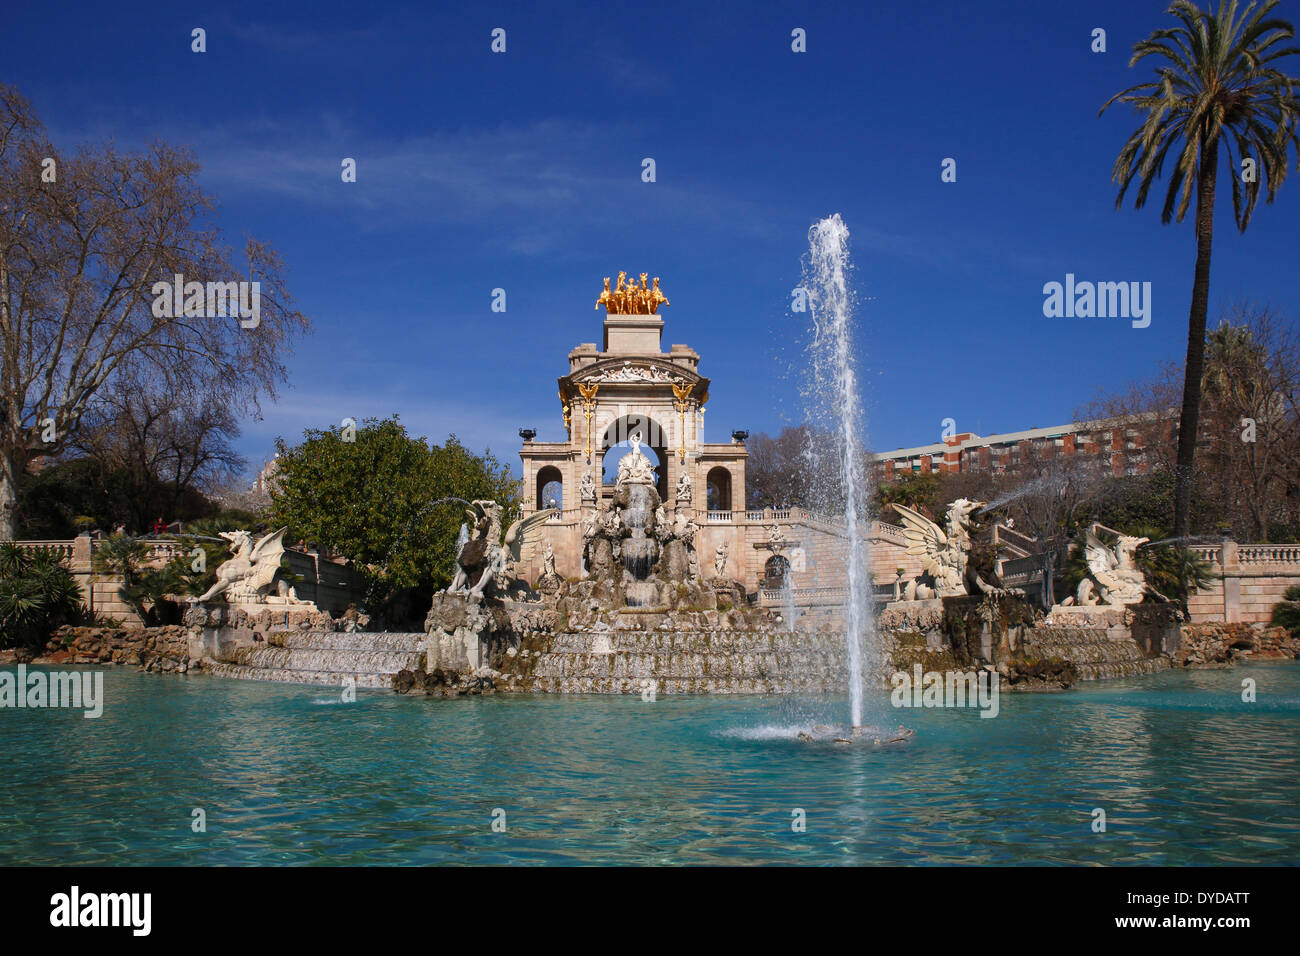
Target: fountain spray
(834, 385)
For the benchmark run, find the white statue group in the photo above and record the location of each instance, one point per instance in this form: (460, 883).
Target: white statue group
(1113, 575)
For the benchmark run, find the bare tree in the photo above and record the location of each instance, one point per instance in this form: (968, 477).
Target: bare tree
(170, 445)
(85, 238)
(1054, 488)
(1251, 422)
(787, 470)
(1248, 453)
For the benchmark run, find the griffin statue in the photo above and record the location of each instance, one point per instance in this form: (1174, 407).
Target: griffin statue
(486, 560)
(1113, 575)
(944, 554)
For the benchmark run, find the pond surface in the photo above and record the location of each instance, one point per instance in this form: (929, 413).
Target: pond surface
(1185, 771)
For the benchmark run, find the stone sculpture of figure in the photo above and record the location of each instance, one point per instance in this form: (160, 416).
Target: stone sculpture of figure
(1113, 576)
(635, 466)
(720, 559)
(589, 531)
(489, 558)
(587, 487)
(685, 528)
(548, 561)
(944, 553)
(247, 577)
(775, 536)
(663, 530)
(683, 489)
(613, 523)
(693, 562)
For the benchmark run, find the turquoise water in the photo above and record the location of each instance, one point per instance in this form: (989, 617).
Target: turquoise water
(1186, 772)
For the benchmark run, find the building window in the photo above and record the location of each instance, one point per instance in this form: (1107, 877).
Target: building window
(550, 488)
(718, 485)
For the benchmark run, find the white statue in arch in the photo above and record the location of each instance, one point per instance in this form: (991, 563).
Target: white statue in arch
(635, 467)
(587, 487)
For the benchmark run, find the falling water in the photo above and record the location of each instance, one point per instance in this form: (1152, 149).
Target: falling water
(788, 597)
(638, 549)
(835, 387)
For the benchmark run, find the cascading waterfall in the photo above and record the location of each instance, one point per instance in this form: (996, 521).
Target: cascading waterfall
(638, 549)
(788, 596)
(835, 388)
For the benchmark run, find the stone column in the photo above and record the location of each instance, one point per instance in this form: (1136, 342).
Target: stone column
(1231, 569)
(82, 569)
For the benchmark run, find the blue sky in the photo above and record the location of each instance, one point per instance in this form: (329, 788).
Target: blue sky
(522, 170)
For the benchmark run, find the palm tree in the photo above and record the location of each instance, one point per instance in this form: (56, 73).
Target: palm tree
(1217, 85)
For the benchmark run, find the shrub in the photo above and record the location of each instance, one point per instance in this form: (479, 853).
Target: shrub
(1286, 613)
(37, 594)
(144, 590)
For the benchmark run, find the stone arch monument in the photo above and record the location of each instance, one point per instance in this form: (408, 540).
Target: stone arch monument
(628, 386)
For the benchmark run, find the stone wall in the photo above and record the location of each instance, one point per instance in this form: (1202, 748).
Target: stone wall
(163, 649)
(1222, 643)
(1250, 580)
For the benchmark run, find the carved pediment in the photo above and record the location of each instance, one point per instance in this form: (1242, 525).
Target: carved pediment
(634, 372)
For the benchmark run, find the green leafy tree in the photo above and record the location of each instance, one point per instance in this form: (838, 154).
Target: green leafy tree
(919, 492)
(382, 500)
(1216, 85)
(37, 594)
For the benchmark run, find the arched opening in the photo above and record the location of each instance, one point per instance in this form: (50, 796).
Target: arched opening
(718, 484)
(550, 488)
(616, 441)
(776, 572)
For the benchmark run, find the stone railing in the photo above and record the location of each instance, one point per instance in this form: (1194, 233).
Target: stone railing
(818, 597)
(890, 532)
(565, 516)
(1268, 554)
(63, 548)
(1014, 539)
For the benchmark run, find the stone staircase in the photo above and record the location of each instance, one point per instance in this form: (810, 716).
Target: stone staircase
(686, 662)
(329, 658)
(1095, 655)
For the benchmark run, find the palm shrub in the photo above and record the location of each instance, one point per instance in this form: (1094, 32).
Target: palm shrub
(1286, 613)
(37, 594)
(1175, 571)
(144, 590)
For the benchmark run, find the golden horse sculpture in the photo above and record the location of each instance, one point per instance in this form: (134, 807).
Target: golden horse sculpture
(629, 298)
